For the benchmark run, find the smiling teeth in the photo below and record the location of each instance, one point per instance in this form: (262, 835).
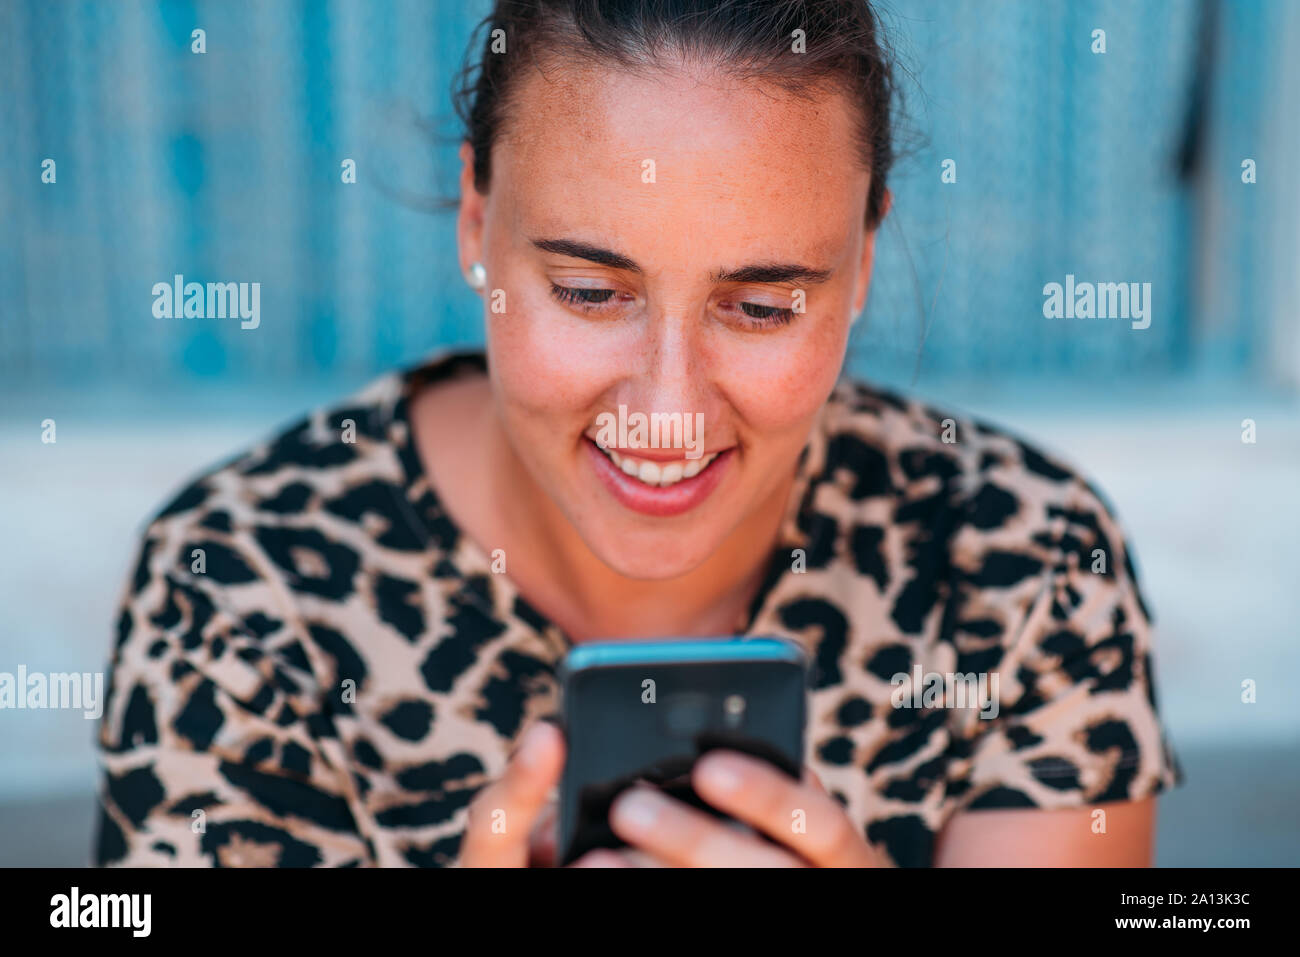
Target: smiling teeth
(660, 474)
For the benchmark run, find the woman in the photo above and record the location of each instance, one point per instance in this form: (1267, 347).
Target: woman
(332, 645)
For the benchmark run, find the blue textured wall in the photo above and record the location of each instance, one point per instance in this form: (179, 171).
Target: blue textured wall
(225, 166)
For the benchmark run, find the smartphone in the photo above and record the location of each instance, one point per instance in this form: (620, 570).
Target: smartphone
(640, 711)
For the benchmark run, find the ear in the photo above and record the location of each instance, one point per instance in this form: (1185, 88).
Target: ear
(469, 221)
(869, 259)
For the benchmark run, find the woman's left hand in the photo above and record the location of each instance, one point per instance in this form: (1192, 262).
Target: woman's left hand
(811, 828)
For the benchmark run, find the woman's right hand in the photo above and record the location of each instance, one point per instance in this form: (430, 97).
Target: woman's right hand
(512, 821)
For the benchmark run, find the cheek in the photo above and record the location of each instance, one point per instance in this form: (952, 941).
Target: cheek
(778, 385)
(544, 366)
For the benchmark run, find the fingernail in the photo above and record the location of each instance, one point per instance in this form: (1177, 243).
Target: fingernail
(638, 810)
(599, 859)
(530, 748)
(721, 773)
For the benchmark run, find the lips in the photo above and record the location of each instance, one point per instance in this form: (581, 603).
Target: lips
(658, 488)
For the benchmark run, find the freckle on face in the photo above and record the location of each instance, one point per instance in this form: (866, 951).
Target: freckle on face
(743, 173)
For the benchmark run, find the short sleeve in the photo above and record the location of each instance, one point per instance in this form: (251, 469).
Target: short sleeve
(214, 751)
(1076, 721)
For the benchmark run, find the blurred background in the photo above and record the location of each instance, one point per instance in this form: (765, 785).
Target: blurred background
(1123, 166)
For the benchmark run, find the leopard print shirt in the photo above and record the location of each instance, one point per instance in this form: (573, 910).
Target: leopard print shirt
(314, 666)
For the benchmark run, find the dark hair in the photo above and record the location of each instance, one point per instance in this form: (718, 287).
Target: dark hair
(842, 49)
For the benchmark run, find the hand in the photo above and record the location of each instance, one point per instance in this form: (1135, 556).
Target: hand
(512, 821)
(665, 832)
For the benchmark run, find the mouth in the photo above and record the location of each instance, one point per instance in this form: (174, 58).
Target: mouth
(659, 473)
(660, 487)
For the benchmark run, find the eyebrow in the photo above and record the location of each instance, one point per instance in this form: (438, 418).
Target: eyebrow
(577, 250)
(774, 272)
(763, 272)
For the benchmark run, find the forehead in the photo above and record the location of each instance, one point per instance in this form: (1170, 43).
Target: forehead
(687, 149)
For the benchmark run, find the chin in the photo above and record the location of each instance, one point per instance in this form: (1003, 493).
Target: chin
(651, 555)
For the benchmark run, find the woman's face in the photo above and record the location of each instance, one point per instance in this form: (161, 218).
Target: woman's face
(671, 242)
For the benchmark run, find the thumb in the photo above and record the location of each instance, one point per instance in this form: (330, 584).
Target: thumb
(504, 813)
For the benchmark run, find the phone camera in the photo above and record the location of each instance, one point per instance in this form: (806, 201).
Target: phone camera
(733, 710)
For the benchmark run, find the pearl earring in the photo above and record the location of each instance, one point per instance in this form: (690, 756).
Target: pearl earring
(477, 277)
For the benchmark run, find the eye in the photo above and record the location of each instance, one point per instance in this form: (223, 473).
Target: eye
(770, 315)
(757, 315)
(581, 297)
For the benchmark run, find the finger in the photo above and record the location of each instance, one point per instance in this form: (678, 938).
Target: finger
(681, 836)
(639, 858)
(801, 816)
(502, 816)
(810, 777)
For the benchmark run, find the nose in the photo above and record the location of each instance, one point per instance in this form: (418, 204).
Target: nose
(672, 374)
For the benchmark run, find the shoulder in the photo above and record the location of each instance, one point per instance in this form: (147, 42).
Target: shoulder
(301, 469)
(908, 441)
(291, 516)
(1001, 507)
(920, 439)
